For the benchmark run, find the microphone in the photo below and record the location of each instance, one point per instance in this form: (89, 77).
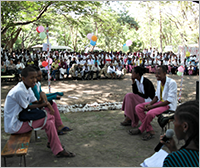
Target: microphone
(169, 134)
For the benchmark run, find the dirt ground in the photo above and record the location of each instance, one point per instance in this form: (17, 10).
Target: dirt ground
(97, 138)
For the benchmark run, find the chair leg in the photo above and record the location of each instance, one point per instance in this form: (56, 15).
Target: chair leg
(35, 135)
(20, 162)
(5, 161)
(24, 161)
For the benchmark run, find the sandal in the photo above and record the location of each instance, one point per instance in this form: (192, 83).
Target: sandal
(148, 136)
(126, 123)
(64, 130)
(134, 132)
(48, 145)
(65, 154)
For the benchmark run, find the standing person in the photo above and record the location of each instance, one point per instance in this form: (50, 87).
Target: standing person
(165, 99)
(186, 127)
(55, 67)
(19, 99)
(143, 91)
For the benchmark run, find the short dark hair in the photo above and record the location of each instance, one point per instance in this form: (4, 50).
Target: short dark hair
(139, 69)
(164, 69)
(26, 70)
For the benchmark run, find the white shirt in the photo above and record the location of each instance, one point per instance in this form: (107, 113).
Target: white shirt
(18, 98)
(169, 92)
(20, 65)
(110, 70)
(90, 62)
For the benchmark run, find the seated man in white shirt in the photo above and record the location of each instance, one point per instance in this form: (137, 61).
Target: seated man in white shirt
(86, 70)
(95, 69)
(165, 99)
(19, 100)
(20, 66)
(111, 71)
(119, 69)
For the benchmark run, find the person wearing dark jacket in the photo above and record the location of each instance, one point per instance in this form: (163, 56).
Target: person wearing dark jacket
(143, 91)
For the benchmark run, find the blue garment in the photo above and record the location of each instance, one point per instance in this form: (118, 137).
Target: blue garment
(50, 96)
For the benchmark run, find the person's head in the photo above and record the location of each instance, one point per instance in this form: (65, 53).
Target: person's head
(161, 72)
(95, 63)
(39, 73)
(137, 72)
(18, 61)
(56, 61)
(29, 76)
(11, 61)
(186, 122)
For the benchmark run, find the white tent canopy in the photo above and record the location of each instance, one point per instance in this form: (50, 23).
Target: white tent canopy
(53, 47)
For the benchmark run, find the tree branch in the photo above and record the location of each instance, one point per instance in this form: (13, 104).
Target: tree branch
(27, 22)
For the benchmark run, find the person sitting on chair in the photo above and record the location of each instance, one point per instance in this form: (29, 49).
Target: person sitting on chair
(186, 127)
(18, 100)
(143, 91)
(95, 69)
(165, 99)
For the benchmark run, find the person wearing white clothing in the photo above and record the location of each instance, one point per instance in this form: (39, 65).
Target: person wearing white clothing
(90, 61)
(111, 70)
(95, 69)
(165, 99)
(20, 66)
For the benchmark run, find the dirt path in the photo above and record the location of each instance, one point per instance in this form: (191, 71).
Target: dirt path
(97, 137)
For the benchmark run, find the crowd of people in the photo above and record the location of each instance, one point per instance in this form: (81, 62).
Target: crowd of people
(16, 61)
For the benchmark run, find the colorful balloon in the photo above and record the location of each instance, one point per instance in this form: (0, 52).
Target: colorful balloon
(181, 69)
(41, 29)
(94, 38)
(187, 54)
(124, 45)
(125, 48)
(128, 42)
(37, 30)
(42, 35)
(44, 63)
(50, 61)
(89, 36)
(179, 73)
(47, 67)
(93, 43)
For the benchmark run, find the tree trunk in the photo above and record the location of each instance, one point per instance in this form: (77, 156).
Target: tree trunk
(13, 40)
(160, 27)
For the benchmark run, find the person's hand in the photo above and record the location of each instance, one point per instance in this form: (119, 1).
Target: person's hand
(170, 144)
(147, 106)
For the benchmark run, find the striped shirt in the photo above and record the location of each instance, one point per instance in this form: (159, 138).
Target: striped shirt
(182, 158)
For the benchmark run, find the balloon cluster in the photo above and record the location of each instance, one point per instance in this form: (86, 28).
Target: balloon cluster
(126, 45)
(180, 70)
(92, 38)
(40, 30)
(45, 63)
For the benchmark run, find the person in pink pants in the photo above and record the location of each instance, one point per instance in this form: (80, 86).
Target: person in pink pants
(21, 98)
(165, 98)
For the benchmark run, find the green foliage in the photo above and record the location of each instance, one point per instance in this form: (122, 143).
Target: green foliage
(70, 22)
